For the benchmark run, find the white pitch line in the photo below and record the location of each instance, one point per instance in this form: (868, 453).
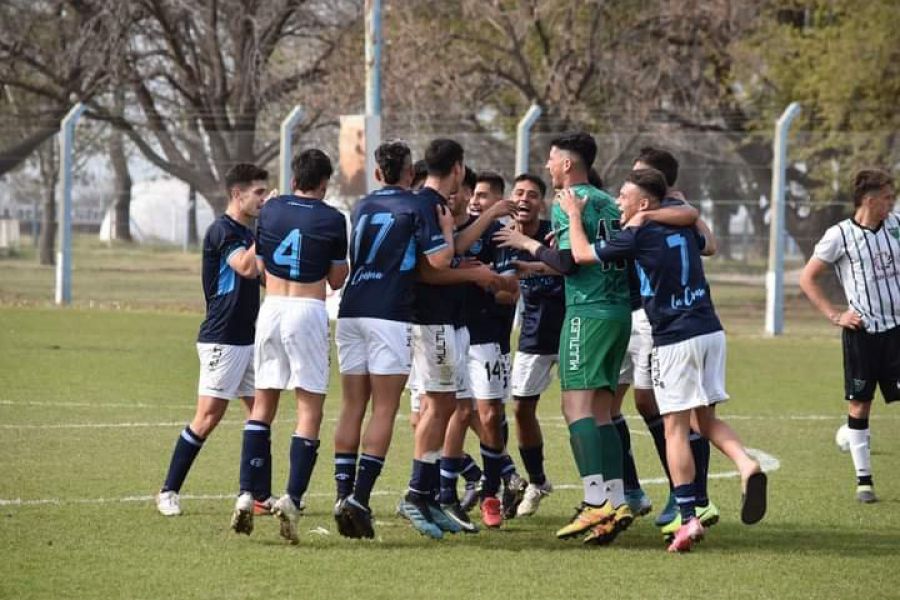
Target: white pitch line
(767, 461)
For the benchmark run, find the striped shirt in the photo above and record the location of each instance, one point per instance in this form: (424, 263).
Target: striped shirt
(866, 262)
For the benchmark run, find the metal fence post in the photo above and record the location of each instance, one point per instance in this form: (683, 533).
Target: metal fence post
(284, 157)
(775, 273)
(64, 252)
(372, 123)
(523, 138)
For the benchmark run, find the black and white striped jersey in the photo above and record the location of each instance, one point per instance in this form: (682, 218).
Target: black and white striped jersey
(867, 263)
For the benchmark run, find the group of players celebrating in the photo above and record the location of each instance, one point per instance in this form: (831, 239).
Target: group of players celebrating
(612, 291)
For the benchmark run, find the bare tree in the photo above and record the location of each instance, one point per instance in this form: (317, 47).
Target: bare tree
(48, 165)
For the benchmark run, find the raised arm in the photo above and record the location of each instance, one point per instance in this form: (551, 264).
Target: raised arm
(468, 236)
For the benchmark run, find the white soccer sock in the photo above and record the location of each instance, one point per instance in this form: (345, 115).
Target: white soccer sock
(859, 450)
(615, 491)
(594, 489)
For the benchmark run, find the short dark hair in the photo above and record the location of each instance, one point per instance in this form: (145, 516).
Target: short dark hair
(493, 179)
(420, 172)
(441, 155)
(594, 178)
(470, 179)
(243, 174)
(391, 158)
(535, 180)
(651, 181)
(579, 143)
(661, 160)
(867, 181)
(310, 168)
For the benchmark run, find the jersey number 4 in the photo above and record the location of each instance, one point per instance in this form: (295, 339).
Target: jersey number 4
(287, 254)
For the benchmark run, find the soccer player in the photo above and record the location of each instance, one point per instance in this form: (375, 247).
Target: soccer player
(595, 335)
(303, 244)
(543, 311)
(225, 341)
(392, 229)
(689, 344)
(636, 370)
(865, 253)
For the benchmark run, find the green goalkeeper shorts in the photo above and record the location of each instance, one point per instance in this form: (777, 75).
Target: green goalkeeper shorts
(591, 352)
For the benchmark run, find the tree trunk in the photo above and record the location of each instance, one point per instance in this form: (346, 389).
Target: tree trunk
(192, 217)
(121, 229)
(49, 168)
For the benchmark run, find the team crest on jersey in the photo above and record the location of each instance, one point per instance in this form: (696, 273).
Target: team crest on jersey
(894, 231)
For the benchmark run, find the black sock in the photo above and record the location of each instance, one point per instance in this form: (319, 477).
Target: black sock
(629, 470)
(303, 459)
(369, 469)
(256, 453)
(700, 450)
(470, 470)
(186, 449)
(658, 432)
(533, 459)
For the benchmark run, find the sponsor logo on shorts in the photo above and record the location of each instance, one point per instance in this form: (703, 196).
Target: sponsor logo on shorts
(575, 344)
(257, 462)
(440, 346)
(859, 385)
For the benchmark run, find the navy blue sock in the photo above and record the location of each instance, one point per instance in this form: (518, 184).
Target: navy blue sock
(186, 449)
(344, 473)
(700, 450)
(419, 483)
(493, 463)
(436, 481)
(470, 470)
(507, 467)
(504, 429)
(533, 459)
(658, 432)
(686, 500)
(256, 453)
(303, 459)
(629, 470)
(450, 468)
(369, 469)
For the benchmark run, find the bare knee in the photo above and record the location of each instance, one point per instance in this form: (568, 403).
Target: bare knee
(859, 410)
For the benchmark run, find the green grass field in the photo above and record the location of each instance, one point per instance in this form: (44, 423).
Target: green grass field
(93, 397)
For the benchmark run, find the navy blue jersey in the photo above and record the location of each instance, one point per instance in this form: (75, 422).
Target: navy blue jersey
(543, 305)
(674, 289)
(634, 282)
(391, 227)
(437, 304)
(300, 238)
(232, 301)
(489, 322)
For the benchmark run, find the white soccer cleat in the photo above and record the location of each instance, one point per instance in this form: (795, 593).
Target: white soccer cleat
(242, 517)
(288, 514)
(168, 503)
(533, 496)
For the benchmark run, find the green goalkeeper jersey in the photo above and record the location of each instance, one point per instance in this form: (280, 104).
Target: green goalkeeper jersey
(599, 290)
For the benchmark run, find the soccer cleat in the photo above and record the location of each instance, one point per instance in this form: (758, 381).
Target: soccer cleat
(864, 494)
(532, 498)
(242, 517)
(168, 503)
(359, 517)
(513, 494)
(264, 507)
(753, 500)
(586, 516)
(470, 495)
(288, 514)
(707, 515)
(415, 510)
(687, 534)
(344, 524)
(441, 519)
(491, 512)
(456, 514)
(638, 502)
(604, 533)
(669, 512)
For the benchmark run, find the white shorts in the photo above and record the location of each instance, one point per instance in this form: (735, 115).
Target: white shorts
(531, 373)
(460, 373)
(376, 346)
(636, 363)
(690, 374)
(225, 371)
(292, 349)
(434, 358)
(488, 369)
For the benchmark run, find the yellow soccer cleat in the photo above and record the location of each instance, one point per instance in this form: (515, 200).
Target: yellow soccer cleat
(605, 533)
(586, 516)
